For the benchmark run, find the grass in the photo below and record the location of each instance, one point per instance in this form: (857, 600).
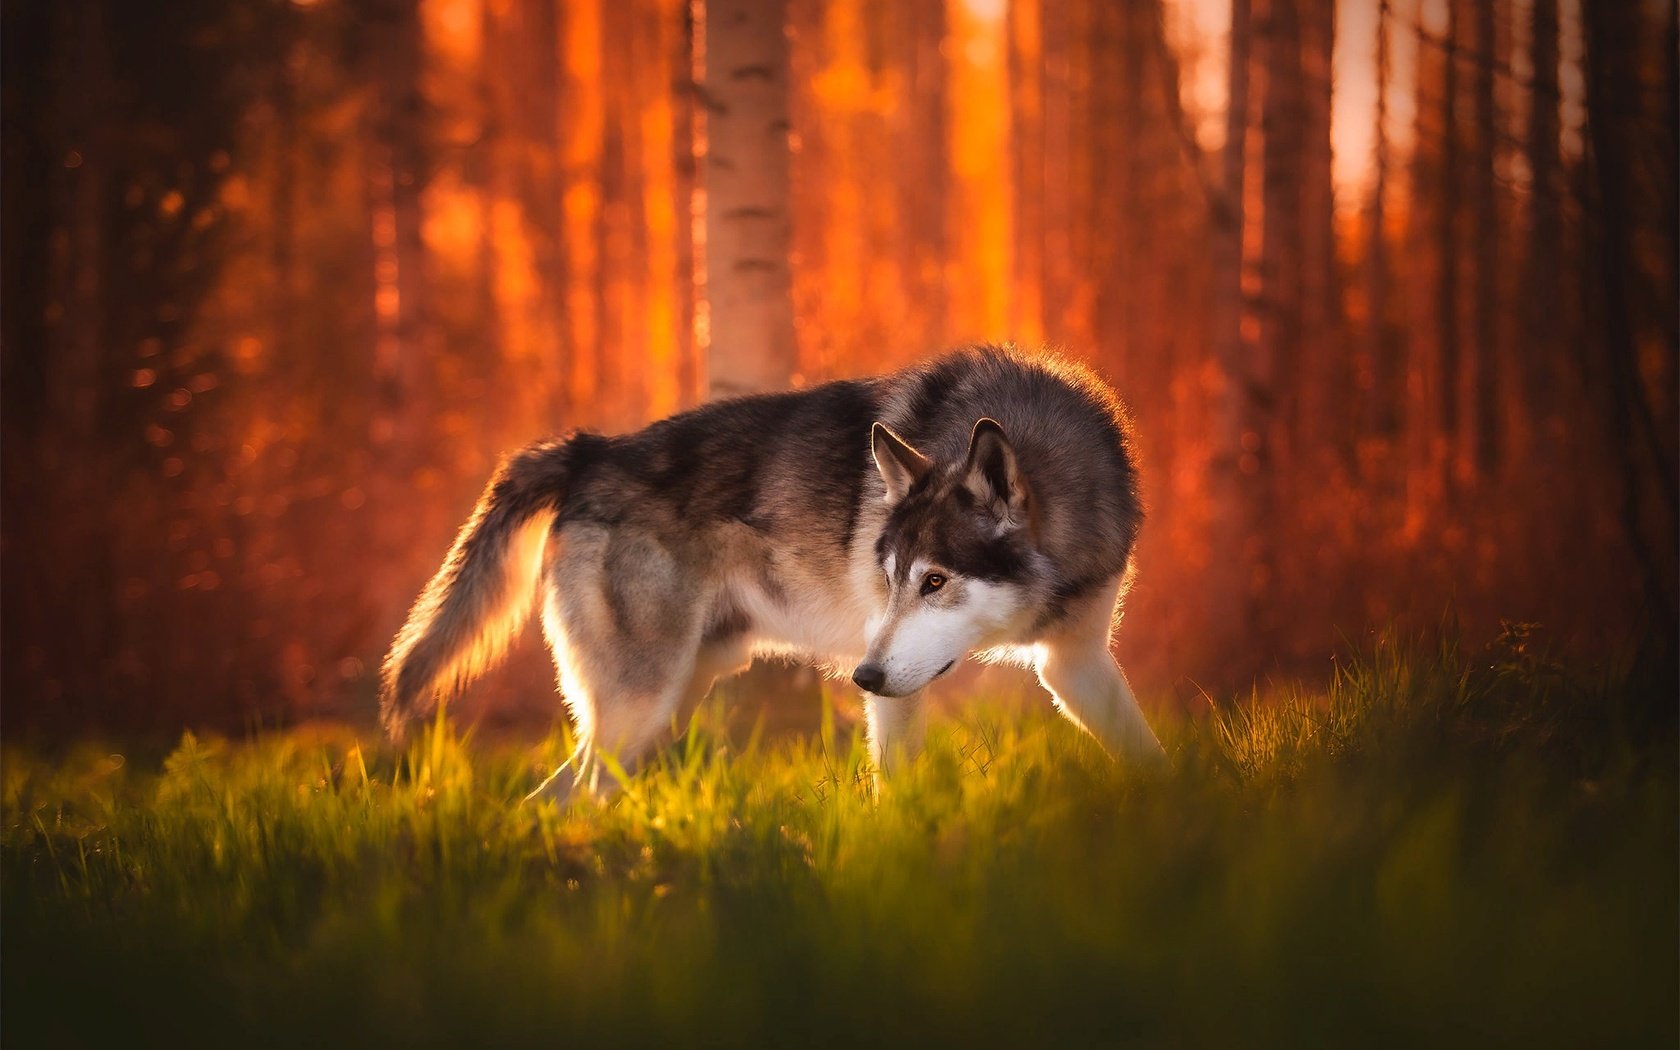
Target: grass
(1436, 849)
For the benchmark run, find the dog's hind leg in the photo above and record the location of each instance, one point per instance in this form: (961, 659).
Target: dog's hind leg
(621, 617)
(1088, 686)
(582, 768)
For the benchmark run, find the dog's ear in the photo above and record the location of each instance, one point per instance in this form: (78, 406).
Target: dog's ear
(900, 465)
(992, 474)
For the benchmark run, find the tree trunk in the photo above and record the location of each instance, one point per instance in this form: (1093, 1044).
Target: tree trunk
(539, 186)
(1239, 451)
(1447, 252)
(73, 454)
(918, 146)
(282, 245)
(748, 281)
(1284, 123)
(1323, 419)
(1061, 44)
(1485, 362)
(1612, 106)
(624, 286)
(684, 74)
(1385, 393)
(581, 203)
(1116, 149)
(1228, 245)
(979, 203)
(1239, 491)
(481, 174)
(661, 226)
(396, 182)
(1545, 226)
(1026, 74)
(1137, 234)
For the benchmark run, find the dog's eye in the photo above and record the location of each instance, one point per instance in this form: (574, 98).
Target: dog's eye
(932, 582)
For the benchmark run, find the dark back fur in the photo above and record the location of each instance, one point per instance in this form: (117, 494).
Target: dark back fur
(797, 465)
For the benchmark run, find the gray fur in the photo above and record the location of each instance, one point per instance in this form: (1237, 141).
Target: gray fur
(761, 526)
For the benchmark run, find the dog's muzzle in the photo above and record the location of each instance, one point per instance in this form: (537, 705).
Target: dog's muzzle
(869, 677)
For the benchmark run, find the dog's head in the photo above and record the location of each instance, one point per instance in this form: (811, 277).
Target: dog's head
(956, 551)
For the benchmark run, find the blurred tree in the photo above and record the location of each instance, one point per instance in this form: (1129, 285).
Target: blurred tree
(748, 286)
(1545, 249)
(582, 130)
(1275, 378)
(1486, 297)
(1027, 67)
(1447, 305)
(1238, 499)
(1616, 115)
(1385, 369)
(919, 176)
(1324, 420)
(282, 279)
(81, 414)
(118, 123)
(398, 168)
(396, 180)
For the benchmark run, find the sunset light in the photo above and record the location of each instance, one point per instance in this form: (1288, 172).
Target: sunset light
(883, 522)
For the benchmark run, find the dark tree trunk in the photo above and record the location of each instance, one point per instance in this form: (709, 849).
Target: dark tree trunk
(1323, 419)
(283, 254)
(1284, 126)
(1026, 75)
(398, 180)
(74, 459)
(540, 192)
(1385, 391)
(1611, 33)
(1485, 362)
(1545, 226)
(581, 130)
(1240, 490)
(481, 168)
(1446, 247)
(395, 179)
(681, 59)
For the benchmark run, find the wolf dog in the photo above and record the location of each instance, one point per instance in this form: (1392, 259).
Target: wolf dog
(985, 502)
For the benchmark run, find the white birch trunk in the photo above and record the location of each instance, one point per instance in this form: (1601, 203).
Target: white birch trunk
(748, 285)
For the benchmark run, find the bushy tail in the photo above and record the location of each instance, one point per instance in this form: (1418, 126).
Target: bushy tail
(463, 620)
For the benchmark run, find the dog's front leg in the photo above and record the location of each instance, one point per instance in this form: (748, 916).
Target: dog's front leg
(897, 728)
(1092, 691)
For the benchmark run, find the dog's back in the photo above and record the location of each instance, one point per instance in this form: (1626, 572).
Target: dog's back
(797, 469)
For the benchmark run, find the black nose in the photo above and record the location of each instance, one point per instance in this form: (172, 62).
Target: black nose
(869, 678)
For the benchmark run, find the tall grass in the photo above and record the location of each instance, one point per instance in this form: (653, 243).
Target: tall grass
(1436, 848)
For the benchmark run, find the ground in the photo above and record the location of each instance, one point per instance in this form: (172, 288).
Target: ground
(1438, 848)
